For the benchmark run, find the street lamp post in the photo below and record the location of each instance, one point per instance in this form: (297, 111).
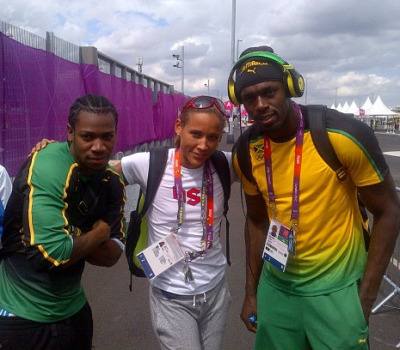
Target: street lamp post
(336, 89)
(237, 48)
(306, 90)
(181, 59)
(139, 62)
(230, 139)
(208, 86)
(233, 31)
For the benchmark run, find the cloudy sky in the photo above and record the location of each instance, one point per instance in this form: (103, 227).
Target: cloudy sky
(346, 49)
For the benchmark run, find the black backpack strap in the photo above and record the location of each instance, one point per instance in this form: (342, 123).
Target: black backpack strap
(158, 161)
(317, 125)
(241, 148)
(223, 170)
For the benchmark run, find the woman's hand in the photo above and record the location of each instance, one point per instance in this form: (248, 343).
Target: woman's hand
(40, 145)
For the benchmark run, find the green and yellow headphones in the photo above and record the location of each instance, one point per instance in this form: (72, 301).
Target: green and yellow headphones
(292, 80)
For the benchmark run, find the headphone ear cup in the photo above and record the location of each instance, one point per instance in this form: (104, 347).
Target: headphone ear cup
(294, 83)
(232, 92)
(287, 83)
(238, 98)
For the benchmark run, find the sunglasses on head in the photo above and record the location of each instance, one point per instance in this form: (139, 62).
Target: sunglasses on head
(204, 102)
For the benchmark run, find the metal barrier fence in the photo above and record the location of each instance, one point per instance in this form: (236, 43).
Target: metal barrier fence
(23, 36)
(62, 48)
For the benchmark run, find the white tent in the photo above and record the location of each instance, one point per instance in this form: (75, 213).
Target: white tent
(353, 109)
(339, 107)
(367, 105)
(384, 114)
(379, 109)
(333, 106)
(345, 107)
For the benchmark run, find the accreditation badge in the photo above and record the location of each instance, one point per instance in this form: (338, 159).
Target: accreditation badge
(276, 245)
(161, 255)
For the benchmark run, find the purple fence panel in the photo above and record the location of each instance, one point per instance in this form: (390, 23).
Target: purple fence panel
(136, 124)
(166, 111)
(38, 89)
(2, 96)
(133, 102)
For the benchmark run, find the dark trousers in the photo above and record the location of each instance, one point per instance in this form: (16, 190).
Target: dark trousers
(75, 332)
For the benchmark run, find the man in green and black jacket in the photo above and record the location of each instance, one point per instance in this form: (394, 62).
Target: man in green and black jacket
(66, 208)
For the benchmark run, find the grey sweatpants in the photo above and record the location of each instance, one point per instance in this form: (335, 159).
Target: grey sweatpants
(195, 322)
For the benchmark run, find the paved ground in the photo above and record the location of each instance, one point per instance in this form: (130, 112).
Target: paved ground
(122, 320)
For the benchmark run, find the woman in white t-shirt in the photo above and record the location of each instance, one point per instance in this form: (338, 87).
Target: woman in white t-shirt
(189, 301)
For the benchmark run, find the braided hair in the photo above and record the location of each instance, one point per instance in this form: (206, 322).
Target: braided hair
(93, 104)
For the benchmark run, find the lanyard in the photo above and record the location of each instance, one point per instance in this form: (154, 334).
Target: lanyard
(207, 216)
(207, 209)
(296, 178)
(178, 189)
